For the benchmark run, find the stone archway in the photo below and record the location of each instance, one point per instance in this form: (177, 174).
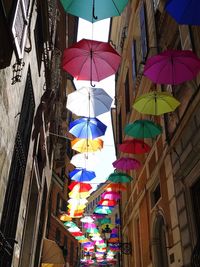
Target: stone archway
(159, 247)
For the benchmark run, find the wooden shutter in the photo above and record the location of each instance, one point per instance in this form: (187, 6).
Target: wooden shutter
(20, 25)
(143, 32)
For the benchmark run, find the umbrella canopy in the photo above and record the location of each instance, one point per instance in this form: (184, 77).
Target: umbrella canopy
(82, 175)
(184, 11)
(172, 67)
(86, 145)
(119, 177)
(89, 102)
(126, 164)
(107, 225)
(77, 201)
(79, 195)
(156, 103)
(87, 128)
(65, 218)
(103, 210)
(70, 224)
(76, 207)
(143, 129)
(107, 202)
(90, 60)
(52, 253)
(77, 234)
(94, 10)
(134, 146)
(115, 187)
(89, 225)
(85, 160)
(87, 219)
(104, 221)
(111, 195)
(80, 187)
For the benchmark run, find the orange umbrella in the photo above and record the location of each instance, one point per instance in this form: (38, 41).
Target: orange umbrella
(65, 218)
(86, 145)
(115, 187)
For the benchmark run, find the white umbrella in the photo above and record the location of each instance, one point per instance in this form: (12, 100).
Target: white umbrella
(89, 102)
(85, 160)
(87, 219)
(77, 201)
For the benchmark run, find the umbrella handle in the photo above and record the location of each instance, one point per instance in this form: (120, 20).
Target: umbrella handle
(93, 85)
(93, 14)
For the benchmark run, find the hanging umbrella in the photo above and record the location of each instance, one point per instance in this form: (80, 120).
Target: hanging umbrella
(89, 225)
(119, 177)
(134, 146)
(76, 207)
(103, 210)
(106, 225)
(85, 160)
(74, 229)
(143, 129)
(115, 187)
(80, 187)
(82, 175)
(70, 224)
(86, 145)
(89, 128)
(77, 201)
(87, 219)
(89, 102)
(104, 220)
(77, 234)
(65, 218)
(107, 202)
(94, 10)
(156, 103)
(184, 11)
(92, 230)
(111, 195)
(79, 195)
(172, 67)
(126, 164)
(90, 60)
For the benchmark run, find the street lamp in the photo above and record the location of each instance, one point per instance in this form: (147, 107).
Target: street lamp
(125, 247)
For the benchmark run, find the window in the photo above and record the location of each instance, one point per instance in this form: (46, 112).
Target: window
(20, 25)
(57, 237)
(155, 195)
(143, 32)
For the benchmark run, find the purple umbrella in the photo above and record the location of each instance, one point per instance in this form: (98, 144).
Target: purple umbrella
(172, 67)
(111, 195)
(126, 164)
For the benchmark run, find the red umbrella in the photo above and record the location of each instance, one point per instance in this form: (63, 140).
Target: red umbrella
(91, 60)
(134, 146)
(111, 195)
(77, 233)
(107, 202)
(126, 164)
(172, 67)
(80, 187)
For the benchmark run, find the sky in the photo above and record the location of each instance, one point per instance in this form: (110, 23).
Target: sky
(99, 31)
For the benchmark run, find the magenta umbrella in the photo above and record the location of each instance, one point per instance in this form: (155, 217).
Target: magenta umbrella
(89, 225)
(172, 67)
(111, 195)
(126, 164)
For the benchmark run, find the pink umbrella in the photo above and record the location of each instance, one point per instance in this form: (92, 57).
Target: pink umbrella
(172, 67)
(112, 195)
(89, 225)
(126, 164)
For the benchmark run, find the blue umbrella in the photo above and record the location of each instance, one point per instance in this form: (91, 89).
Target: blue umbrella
(184, 11)
(82, 175)
(89, 128)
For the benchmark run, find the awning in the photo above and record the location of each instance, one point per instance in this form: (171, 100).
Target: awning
(52, 254)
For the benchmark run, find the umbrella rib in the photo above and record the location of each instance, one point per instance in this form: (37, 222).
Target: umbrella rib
(116, 7)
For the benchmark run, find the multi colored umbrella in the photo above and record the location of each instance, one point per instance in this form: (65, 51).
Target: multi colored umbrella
(94, 10)
(156, 103)
(172, 67)
(85, 160)
(184, 11)
(90, 60)
(119, 177)
(126, 164)
(103, 210)
(134, 146)
(111, 195)
(89, 128)
(143, 129)
(82, 175)
(89, 102)
(86, 145)
(115, 187)
(80, 187)
(107, 202)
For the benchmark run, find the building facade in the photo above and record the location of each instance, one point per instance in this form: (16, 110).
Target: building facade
(160, 208)
(32, 107)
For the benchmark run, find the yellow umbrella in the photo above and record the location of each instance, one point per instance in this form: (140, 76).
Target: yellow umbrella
(156, 103)
(76, 207)
(86, 145)
(65, 218)
(78, 195)
(111, 226)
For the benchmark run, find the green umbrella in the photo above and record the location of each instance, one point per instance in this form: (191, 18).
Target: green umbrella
(143, 129)
(80, 237)
(94, 10)
(69, 224)
(92, 231)
(104, 220)
(104, 210)
(120, 177)
(156, 103)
